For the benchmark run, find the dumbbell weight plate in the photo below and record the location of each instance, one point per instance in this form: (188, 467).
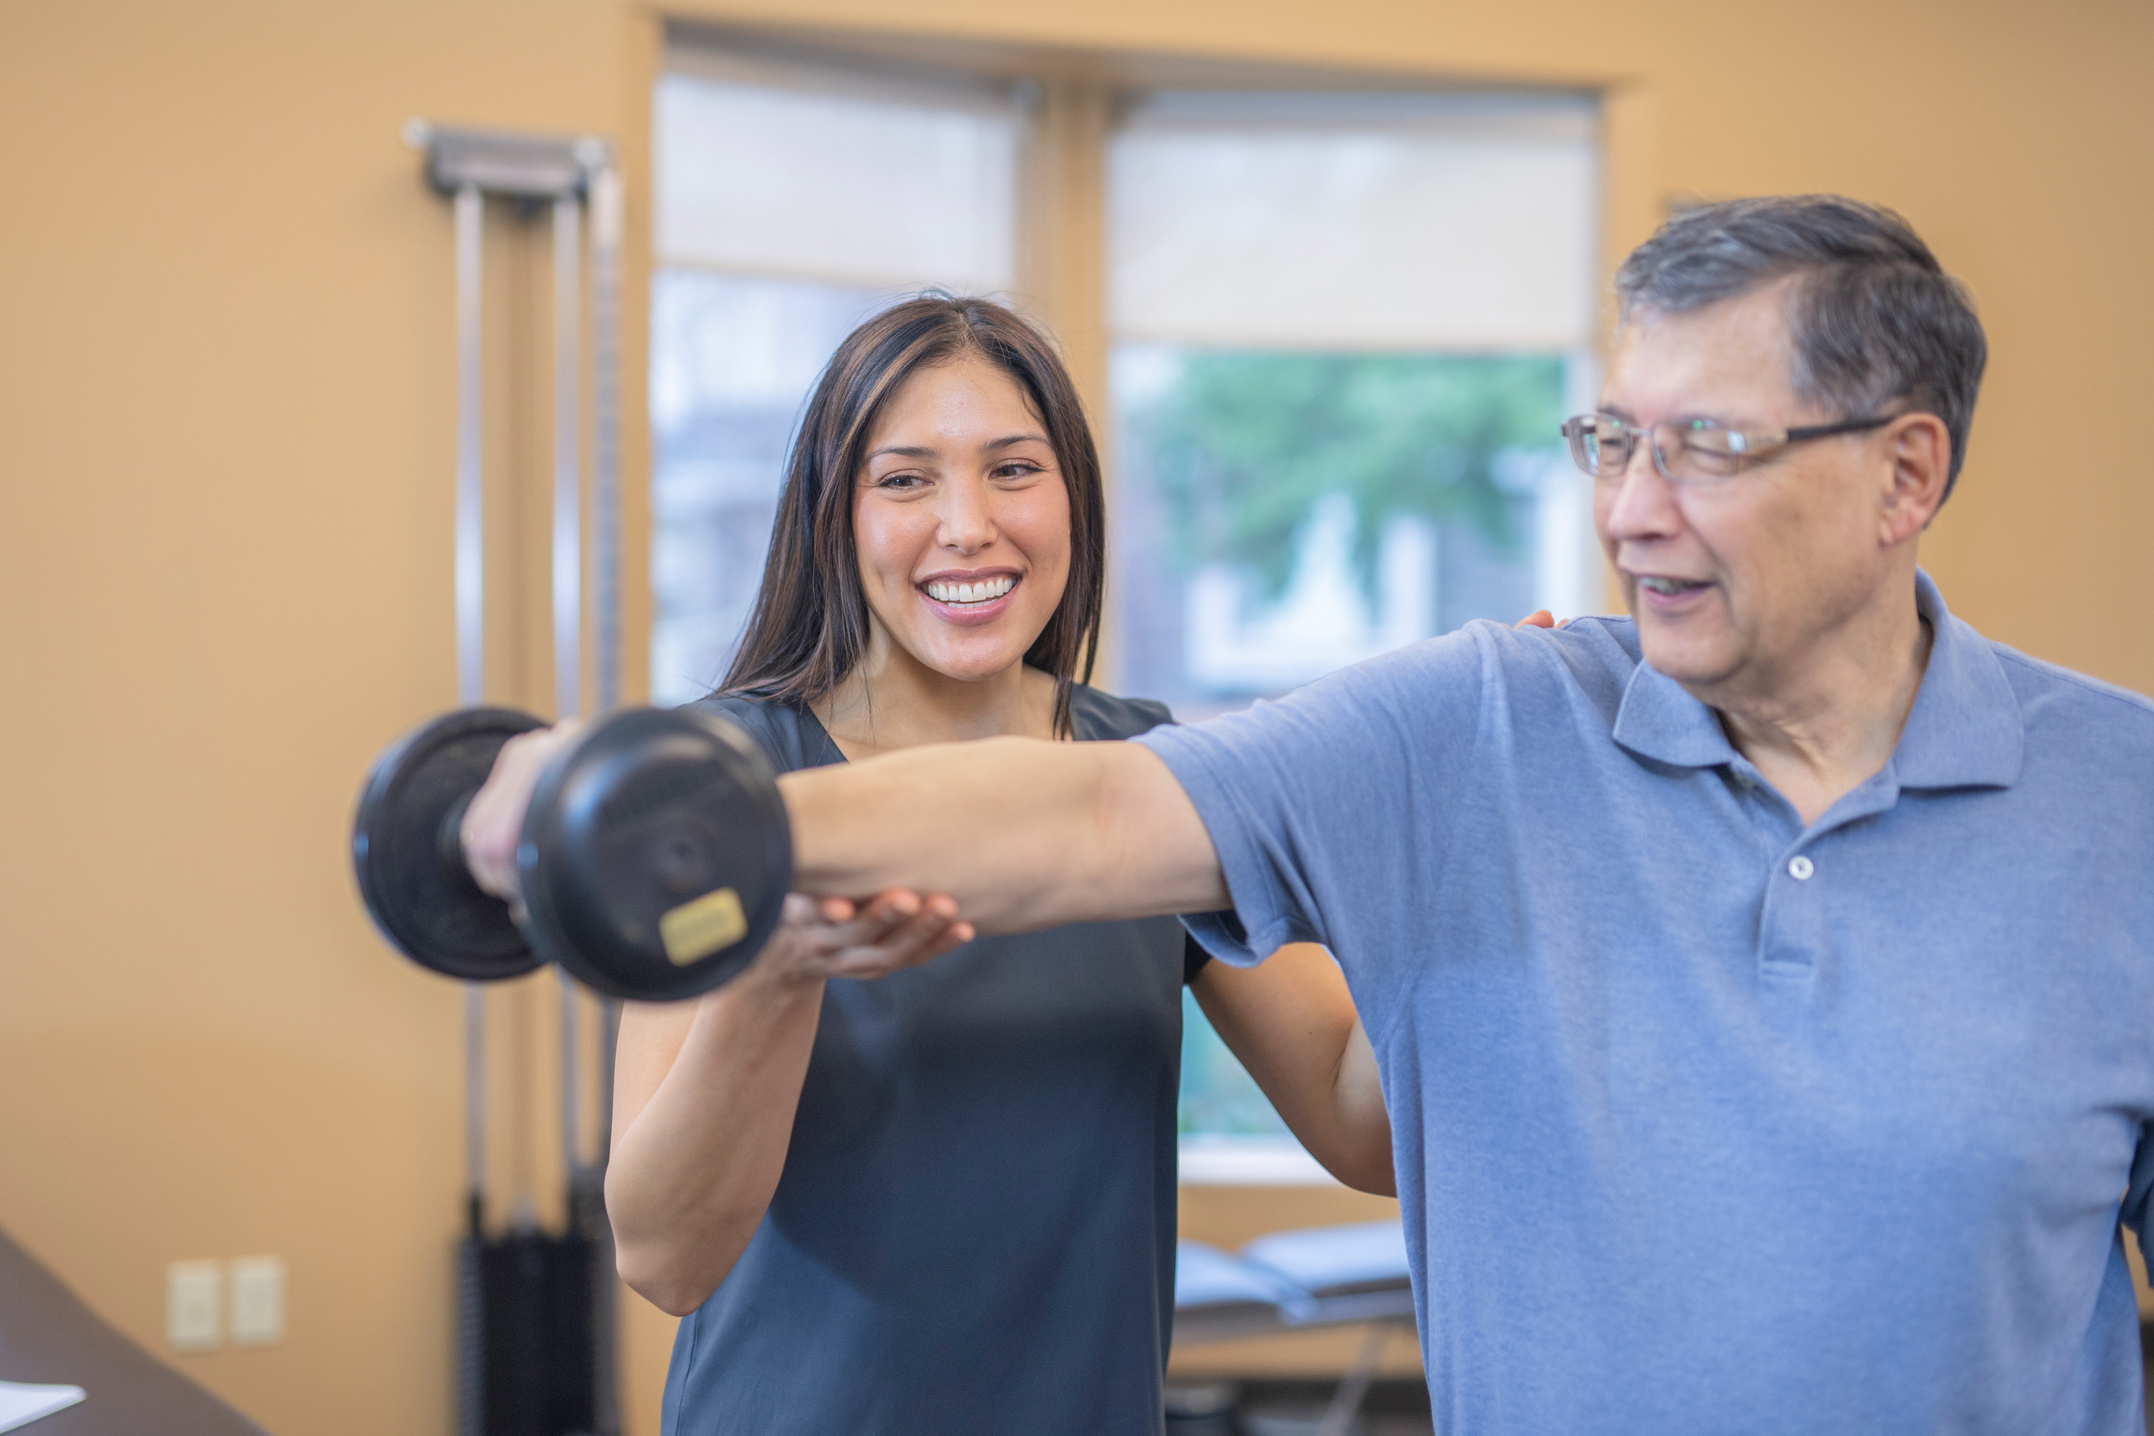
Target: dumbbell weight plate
(656, 855)
(411, 870)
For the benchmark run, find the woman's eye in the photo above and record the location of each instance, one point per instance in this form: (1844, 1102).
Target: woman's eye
(1016, 469)
(899, 481)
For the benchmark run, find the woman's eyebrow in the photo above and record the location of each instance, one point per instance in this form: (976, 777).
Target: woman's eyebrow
(922, 451)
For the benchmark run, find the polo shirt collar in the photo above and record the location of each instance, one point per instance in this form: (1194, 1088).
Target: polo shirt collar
(1661, 721)
(1965, 729)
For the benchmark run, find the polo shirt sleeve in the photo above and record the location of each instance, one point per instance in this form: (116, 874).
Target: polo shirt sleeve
(1331, 804)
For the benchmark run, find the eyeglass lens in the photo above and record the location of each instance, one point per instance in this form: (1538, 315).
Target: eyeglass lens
(1602, 446)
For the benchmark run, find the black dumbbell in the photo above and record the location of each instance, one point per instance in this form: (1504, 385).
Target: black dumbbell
(654, 858)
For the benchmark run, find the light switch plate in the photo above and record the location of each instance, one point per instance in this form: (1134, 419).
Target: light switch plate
(257, 1301)
(194, 1301)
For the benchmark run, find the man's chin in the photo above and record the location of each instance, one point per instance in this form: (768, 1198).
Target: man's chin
(1695, 660)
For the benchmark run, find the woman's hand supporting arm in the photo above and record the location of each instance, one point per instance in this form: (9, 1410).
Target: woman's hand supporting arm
(1024, 834)
(1292, 1023)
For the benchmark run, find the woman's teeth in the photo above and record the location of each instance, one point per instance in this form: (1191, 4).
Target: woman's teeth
(1669, 586)
(986, 590)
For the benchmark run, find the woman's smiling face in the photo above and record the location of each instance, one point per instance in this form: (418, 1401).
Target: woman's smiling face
(961, 520)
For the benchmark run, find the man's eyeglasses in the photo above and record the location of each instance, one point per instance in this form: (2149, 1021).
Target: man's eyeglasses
(1687, 451)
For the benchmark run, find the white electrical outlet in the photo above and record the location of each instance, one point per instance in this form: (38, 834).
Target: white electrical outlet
(257, 1301)
(194, 1302)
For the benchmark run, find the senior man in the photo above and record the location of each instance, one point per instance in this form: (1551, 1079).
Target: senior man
(1761, 985)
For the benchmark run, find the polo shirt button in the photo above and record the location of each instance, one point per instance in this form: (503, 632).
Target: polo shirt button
(1800, 868)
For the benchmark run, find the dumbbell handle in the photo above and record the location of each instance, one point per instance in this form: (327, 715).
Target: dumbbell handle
(449, 842)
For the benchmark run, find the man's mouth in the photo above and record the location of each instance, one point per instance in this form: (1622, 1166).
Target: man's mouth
(958, 595)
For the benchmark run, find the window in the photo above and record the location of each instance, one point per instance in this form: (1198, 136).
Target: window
(1346, 328)
(1341, 331)
(792, 202)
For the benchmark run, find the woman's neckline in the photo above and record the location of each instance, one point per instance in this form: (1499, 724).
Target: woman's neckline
(836, 748)
(830, 743)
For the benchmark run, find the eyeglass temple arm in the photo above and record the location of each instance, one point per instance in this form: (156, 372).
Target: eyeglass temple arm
(1845, 426)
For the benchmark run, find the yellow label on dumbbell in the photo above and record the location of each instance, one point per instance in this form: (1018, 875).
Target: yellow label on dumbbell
(695, 930)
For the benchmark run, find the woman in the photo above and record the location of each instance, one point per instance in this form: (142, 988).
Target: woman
(943, 1201)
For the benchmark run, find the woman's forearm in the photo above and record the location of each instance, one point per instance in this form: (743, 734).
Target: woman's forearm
(1024, 834)
(1291, 1023)
(697, 1158)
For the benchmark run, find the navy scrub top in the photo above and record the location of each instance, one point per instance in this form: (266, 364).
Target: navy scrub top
(974, 1230)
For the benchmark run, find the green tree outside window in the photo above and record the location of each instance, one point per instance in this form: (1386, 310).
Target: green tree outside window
(1246, 444)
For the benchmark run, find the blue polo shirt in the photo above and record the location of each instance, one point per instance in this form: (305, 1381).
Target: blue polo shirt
(1707, 1121)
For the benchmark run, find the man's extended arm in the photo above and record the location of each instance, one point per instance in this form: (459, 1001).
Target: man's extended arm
(1023, 834)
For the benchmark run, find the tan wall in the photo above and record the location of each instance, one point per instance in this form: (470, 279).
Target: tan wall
(224, 529)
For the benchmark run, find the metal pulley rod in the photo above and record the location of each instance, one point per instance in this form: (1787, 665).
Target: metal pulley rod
(471, 166)
(571, 176)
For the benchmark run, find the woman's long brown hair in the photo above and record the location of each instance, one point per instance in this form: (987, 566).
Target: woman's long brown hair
(809, 628)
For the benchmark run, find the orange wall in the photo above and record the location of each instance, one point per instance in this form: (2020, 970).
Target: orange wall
(225, 437)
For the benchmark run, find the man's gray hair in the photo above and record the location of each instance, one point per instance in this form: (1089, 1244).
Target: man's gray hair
(1875, 322)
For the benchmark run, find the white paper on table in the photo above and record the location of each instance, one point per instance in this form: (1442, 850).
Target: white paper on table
(20, 1405)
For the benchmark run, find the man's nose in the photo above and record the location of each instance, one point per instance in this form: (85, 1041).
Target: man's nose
(1638, 502)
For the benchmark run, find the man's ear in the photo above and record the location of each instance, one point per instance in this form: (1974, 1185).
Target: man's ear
(1919, 448)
